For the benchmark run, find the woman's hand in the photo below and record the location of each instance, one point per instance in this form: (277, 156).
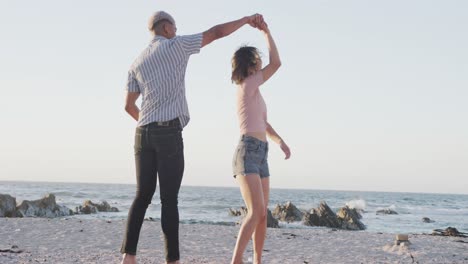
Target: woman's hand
(263, 26)
(285, 149)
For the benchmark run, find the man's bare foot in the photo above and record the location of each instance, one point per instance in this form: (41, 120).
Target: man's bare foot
(128, 259)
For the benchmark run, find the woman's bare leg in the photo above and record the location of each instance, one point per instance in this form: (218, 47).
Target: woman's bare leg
(259, 234)
(128, 259)
(252, 192)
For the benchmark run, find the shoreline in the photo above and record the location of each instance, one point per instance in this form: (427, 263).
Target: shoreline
(72, 240)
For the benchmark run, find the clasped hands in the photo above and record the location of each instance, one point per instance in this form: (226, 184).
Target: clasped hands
(257, 21)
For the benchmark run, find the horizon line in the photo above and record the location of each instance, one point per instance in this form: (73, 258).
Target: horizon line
(211, 186)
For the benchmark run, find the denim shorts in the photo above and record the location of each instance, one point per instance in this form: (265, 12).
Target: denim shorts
(251, 157)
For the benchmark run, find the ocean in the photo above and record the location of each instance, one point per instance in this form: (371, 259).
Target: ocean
(210, 205)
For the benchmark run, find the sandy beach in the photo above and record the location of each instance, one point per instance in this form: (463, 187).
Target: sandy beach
(69, 240)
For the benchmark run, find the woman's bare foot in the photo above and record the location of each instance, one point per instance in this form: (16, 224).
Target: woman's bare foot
(128, 259)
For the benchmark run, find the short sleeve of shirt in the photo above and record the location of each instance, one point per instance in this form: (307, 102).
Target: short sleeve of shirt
(191, 44)
(132, 83)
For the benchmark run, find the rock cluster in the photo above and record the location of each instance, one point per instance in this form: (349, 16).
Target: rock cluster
(386, 212)
(242, 212)
(7, 206)
(287, 212)
(47, 207)
(346, 218)
(449, 231)
(89, 207)
(44, 207)
(427, 220)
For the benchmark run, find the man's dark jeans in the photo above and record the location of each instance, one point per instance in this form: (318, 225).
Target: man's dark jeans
(159, 152)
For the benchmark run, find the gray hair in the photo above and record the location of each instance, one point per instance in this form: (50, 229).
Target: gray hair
(158, 19)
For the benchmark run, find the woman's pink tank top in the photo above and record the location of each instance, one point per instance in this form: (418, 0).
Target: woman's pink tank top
(251, 108)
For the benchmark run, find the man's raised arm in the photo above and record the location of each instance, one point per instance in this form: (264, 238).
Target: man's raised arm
(223, 30)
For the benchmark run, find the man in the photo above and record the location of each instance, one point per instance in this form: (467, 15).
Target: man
(158, 75)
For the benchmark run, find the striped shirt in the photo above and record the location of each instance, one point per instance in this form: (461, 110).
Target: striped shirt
(158, 74)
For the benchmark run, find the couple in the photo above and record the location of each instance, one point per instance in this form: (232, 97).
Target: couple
(158, 76)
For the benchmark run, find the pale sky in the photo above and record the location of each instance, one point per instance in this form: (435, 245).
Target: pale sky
(372, 95)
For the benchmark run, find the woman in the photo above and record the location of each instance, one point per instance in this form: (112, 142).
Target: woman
(250, 164)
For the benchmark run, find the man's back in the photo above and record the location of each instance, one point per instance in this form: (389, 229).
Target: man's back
(159, 75)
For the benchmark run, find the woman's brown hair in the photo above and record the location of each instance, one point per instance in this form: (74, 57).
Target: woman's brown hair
(245, 60)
